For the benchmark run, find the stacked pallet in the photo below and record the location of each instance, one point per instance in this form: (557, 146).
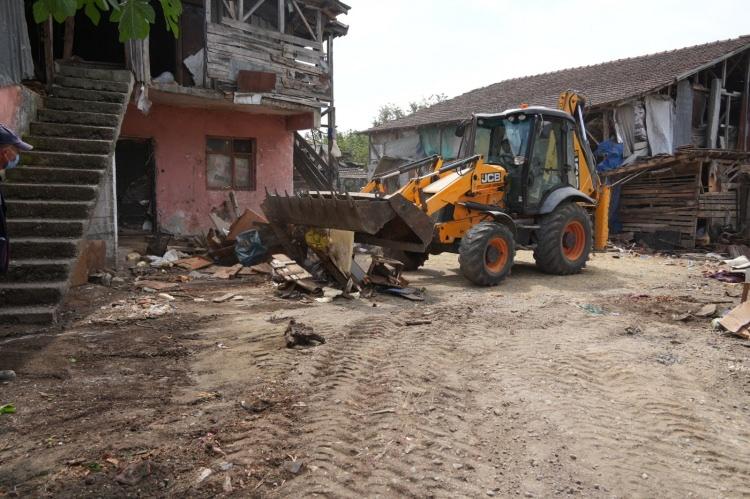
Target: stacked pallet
(719, 208)
(663, 200)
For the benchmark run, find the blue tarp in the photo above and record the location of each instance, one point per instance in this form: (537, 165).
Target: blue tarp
(610, 155)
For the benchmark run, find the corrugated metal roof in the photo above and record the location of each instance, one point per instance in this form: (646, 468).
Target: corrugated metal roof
(601, 83)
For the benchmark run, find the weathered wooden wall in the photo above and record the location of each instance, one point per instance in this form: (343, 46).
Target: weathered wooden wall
(663, 201)
(300, 64)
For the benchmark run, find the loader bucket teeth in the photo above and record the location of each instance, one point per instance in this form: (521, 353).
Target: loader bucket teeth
(389, 221)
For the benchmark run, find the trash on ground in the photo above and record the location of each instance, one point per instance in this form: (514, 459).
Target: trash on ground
(298, 334)
(194, 263)
(593, 309)
(134, 473)
(7, 409)
(737, 320)
(227, 272)
(223, 298)
(412, 294)
(708, 310)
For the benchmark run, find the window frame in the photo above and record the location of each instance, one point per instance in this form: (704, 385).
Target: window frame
(233, 154)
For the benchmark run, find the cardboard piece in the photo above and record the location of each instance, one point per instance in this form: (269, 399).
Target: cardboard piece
(245, 222)
(738, 318)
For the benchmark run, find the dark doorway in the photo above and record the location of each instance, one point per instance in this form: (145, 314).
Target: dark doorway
(136, 181)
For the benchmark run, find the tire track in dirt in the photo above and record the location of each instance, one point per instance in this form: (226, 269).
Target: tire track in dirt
(607, 399)
(388, 418)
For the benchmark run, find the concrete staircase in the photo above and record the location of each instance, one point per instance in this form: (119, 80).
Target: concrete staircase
(51, 196)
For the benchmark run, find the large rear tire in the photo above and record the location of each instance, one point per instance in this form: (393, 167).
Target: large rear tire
(486, 253)
(410, 259)
(564, 240)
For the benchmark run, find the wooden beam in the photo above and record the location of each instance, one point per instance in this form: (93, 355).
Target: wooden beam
(319, 24)
(240, 9)
(726, 122)
(282, 16)
(229, 7)
(253, 9)
(714, 108)
(304, 19)
(49, 54)
(70, 29)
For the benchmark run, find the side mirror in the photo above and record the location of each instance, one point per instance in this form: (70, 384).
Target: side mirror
(460, 130)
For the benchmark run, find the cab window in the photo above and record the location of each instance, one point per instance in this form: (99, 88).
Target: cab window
(547, 160)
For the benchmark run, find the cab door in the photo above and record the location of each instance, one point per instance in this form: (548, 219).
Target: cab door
(550, 166)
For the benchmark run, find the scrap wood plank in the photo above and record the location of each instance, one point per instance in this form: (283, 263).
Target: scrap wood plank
(737, 319)
(194, 263)
(227, 272)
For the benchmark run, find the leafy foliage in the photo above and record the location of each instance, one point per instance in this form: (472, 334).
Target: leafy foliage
(58, 9)
(172, 11)
(390, 112)
(354, 146)
(133, 17)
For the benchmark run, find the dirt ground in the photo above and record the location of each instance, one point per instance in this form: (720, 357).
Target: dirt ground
(544, 386)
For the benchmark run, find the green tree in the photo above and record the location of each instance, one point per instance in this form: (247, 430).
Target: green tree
(426, 102)
(133, 17)
(354, 146)
(390, 112)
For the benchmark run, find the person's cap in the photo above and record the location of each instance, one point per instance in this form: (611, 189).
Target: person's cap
(9, 138)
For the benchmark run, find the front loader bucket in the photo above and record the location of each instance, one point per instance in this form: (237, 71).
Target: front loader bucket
(389, 221)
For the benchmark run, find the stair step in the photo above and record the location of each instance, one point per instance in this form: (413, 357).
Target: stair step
(63, 192)
(82, 106)
(46, 227)
(41, 247)
(38, 270)
(65, 160)
(44, 208)
(92, 84)
(121, 75)
(52, 175)
(95, 95)
(31, 293)
(28, 315)
(70, 131)
(78, 118)
(70, 145)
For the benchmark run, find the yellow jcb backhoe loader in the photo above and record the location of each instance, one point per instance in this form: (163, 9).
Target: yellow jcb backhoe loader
(527, 180)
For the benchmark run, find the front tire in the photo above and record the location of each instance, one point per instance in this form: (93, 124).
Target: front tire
(564, 240)
(486, 253)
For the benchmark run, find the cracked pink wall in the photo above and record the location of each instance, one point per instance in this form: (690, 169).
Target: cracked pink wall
(182, 199)
(10, 101)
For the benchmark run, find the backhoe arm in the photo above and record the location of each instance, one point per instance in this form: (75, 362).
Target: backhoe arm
(588, 181)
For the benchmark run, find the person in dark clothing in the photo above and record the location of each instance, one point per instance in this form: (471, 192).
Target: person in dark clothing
(11, 146)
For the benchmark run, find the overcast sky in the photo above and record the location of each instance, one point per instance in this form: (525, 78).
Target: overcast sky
(402, 50)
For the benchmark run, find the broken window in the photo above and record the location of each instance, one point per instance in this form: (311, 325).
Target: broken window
(230, 163)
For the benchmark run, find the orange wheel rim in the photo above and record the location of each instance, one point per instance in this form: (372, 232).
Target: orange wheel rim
(573, 240)
(496, 254)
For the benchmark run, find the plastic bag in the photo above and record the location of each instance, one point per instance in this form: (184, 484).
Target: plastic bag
(249, 248)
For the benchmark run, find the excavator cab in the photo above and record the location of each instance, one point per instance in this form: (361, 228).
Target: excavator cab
(535, 146)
